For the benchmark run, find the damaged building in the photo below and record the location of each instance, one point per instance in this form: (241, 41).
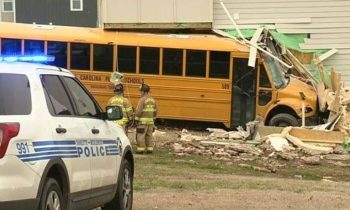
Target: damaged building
(313, 26)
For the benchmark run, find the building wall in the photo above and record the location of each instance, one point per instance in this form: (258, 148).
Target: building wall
(327, 22)
(6, 16)
(156, 13)
(56, 12)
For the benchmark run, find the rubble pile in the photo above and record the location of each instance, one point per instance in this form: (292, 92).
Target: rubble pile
(273, 150)
(334, 98)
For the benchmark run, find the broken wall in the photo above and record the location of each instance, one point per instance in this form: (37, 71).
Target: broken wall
(326, 21)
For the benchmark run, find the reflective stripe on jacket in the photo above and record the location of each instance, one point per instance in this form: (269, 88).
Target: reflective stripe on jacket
(123, 102)
(146, 111)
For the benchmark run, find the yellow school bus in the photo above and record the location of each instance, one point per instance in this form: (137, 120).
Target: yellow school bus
(197, 77)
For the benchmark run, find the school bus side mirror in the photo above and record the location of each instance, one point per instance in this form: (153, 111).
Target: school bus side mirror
(114, 113)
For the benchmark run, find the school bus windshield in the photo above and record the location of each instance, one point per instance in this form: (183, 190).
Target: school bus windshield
(278, 76)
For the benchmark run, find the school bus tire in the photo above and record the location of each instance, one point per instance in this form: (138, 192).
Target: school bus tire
(283, 120)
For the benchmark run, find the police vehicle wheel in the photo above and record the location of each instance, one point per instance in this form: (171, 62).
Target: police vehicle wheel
(283, 120)
(51, 198)
(124, 195)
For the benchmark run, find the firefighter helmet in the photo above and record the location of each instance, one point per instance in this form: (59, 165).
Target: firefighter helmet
(118, 88)
(144, 88)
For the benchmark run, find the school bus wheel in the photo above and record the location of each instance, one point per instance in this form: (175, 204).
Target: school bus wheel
(283, 120)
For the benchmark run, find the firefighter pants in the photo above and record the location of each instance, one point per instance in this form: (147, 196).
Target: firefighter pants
(144, 138)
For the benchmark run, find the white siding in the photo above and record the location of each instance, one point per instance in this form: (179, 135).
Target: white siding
(327, 22)
(143, 12)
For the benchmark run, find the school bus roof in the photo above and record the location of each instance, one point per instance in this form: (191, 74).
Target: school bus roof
(55, 33)
(100, 36)
(190, 41)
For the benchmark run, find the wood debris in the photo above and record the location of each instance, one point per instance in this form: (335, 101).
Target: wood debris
(289, 146)
(335, 99)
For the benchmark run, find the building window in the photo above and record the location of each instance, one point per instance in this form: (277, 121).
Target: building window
(7, 5)
(76, 5)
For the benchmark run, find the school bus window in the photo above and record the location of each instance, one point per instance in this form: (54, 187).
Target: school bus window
(219, 65)
(59, 51)
(80, 56)
(264, 79)
(196, 63)
(126, 59)
(11, 46)
(33, 47)
(149, 60)
(172, 62)
(103, 57)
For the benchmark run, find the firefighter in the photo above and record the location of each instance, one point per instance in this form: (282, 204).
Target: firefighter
(145, 115)
(120, 100)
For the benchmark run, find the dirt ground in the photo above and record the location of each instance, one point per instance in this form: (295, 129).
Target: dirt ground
(229, 191)
(319, 196)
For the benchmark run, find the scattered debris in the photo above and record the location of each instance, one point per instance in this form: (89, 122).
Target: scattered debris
(310, 147)
(313, 160)
(278, 142)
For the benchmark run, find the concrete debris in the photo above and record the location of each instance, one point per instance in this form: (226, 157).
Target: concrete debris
(336, 157)
(338, 163)
(287, 156)
(188, 137)
(272, 151)
(313, 160)
(240, 134)
(306, 147)
(278, 142)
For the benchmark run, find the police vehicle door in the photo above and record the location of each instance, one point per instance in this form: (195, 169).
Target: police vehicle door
(103, 147)
(69, 133)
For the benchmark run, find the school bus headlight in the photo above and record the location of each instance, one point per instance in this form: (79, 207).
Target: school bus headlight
(308, 109)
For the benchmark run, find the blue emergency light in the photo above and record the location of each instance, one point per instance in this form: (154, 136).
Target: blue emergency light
(36, 58)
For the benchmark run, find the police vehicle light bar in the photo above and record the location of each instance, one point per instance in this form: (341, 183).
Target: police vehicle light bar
(36, 58)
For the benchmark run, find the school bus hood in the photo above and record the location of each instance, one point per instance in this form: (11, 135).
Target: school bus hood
(291, 96)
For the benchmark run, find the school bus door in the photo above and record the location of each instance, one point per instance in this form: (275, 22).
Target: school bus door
(266, 93)
(244, 87)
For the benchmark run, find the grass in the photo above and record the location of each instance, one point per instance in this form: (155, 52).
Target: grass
(163, 170)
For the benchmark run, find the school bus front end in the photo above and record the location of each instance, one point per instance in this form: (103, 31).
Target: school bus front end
(288, 96)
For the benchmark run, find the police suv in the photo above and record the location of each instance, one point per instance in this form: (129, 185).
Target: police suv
(58, 149)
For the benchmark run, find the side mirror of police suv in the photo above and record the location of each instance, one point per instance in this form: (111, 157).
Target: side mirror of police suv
(114, 113)
(58, 149)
